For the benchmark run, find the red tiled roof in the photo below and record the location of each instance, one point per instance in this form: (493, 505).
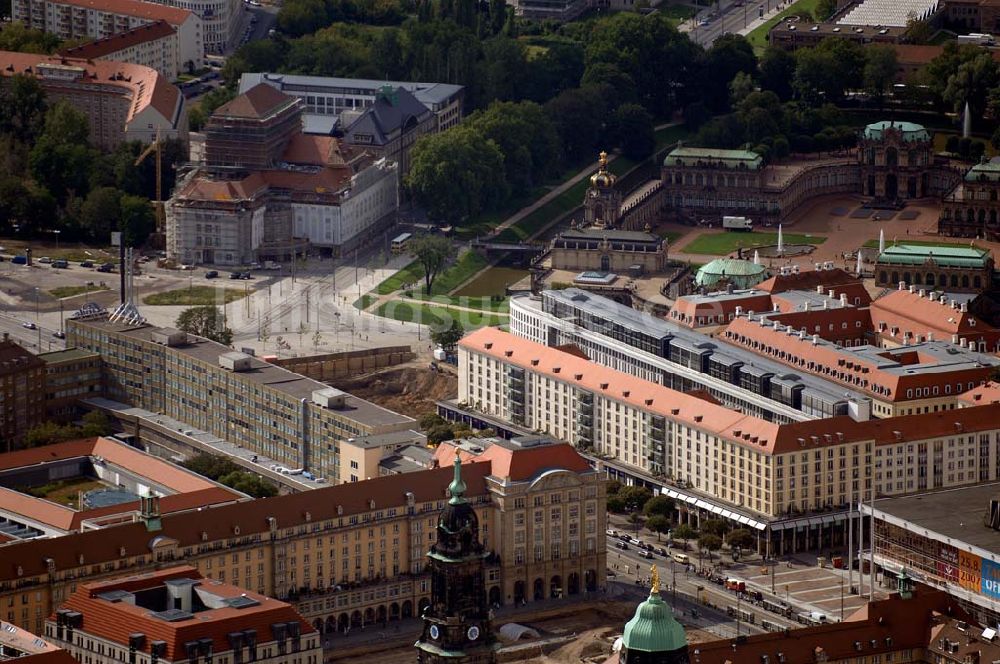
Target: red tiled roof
(986, 393)
(219, 523)
(688, 309)
(101, 48)
(919, 315)
(800, 351)
(256, 103)
(616, 385)
(907, 623)
(317, 151)
(147, 10)
(858, 321)
(519, 465)
(834, 279)
(145, 86)
(115, 621)
(326, 181)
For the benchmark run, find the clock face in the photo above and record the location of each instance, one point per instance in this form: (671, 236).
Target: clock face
(473, 633)
(435, 632)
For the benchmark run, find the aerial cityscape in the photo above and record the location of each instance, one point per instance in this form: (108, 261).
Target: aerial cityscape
(482, 331)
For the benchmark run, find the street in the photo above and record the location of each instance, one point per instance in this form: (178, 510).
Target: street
(738, 16)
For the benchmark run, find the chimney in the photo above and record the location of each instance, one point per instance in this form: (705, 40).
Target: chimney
(932, 296)
(913, 289)
(954, 339)
(815, 339)
(922, 293)
(831, 293)
(802, 333)
(843, 299)
(805, 307)
(964, 308)
(962, 343)
(930, 336)
(826, 304)
(739, 310)
(902, 285)
(819, 289)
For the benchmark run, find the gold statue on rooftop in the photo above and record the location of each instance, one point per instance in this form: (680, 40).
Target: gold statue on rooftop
(654, 580)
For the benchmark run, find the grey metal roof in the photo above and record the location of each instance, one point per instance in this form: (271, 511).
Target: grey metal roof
(429, 94)
(660, 328)
(386, 116)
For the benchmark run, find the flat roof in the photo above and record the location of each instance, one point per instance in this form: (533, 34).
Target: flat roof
(426, 93)
(263, 373)
(953, 513)
(68, 355)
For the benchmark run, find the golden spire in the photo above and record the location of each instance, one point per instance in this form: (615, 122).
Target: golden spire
(654, 580)
(603, 160)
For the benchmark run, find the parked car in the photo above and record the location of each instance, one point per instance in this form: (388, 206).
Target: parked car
(235, 275)
(246, 275)
(645, 554)
(621, 545)
(663, 552)
(61, 264)
(211, 274)
(87, 264)
(59, 334)
(106, 267)
(29, 325)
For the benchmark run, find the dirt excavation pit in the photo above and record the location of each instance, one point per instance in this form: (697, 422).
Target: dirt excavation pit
(410, 389)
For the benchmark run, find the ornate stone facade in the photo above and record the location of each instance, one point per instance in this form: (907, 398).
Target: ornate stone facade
(603, 202)
(971, 208)
(894, 159)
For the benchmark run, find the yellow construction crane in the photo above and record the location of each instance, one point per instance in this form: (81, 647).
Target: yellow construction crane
(155, 146)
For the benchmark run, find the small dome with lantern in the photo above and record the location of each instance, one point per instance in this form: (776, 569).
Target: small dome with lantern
(603, 179)
(653, 636)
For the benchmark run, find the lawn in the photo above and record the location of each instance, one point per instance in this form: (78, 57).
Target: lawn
(69, 291)
(724, 243)
(873, 244)
(467, 265)
(758, 37)
(408, 275)
(677, 13)
(71, 253)
(437, 317)
(195, 296)
(365, 301)
(484, 303)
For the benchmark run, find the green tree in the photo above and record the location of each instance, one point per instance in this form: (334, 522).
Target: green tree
(879, 70)
(632, 128)
(49, 433)
(18, 37)
(101, 212)
(433, 252)
(578, 116)
(659, 505)
(662, 62)
(249, 483)
(439, 433)
(740, 538)
(777, 71)
(971, 83)
(95, 423)
(635, 497)
(730, 54)
(918, 31)
(61, 157)
(714, 527)
(447, 338)
(22, 107)
(205, 321)
(504, 66)
(741, 87)
(457, 174)
(685, 532)
(613, 487)
(709, 543)
(525, 136)
(659, 524)
(615, 504)
(137, 220)
(606, 74)
(428, 420)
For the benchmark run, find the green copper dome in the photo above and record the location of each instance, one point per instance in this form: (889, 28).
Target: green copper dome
(653, 628)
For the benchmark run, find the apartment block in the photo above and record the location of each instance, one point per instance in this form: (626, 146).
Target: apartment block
(22, 399)
(350, 555)
(122, 102)
(70, 375)
(102, 19)
(717, 461)
(178, 615)
(671, 354)
(154, 45)
(293, 420)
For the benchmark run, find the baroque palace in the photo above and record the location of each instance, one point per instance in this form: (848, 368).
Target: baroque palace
(892, 163)
(348, 555)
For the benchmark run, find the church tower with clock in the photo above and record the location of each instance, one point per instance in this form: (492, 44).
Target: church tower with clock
(457, 626)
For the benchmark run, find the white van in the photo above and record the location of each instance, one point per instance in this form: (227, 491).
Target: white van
(681, 558)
